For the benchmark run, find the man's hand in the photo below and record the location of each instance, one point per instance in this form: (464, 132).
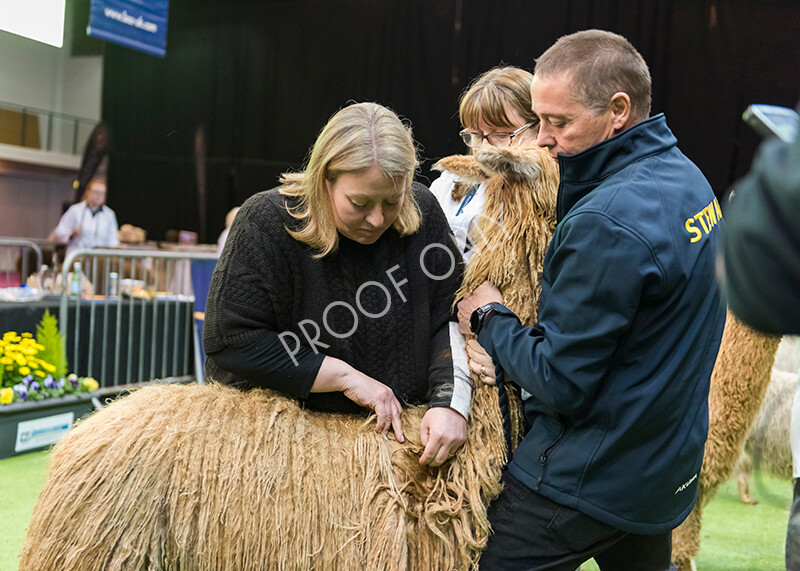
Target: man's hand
(441, 431)
(485, 293)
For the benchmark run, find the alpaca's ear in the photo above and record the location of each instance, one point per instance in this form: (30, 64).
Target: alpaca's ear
(465, 167)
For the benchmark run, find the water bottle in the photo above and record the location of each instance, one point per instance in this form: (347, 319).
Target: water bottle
(113, 285)
(75, 284)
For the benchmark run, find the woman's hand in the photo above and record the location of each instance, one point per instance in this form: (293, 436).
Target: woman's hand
(367, 392)
(336, 375)
(441, 431)
(480, 362)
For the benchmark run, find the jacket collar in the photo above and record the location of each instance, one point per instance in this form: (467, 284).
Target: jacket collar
(582, 173)
(89, 208)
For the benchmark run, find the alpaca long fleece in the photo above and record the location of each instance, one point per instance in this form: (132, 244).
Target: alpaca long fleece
(205, 477)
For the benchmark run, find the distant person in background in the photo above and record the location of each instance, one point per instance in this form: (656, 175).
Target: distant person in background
(495, 110)
(224, 234)
(89, 223)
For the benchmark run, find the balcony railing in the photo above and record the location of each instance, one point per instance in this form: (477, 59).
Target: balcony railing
(43, 130)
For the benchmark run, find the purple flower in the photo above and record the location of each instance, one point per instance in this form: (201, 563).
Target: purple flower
(35, 386)
(49, 382)
(73, 379)
(60, 384)
(27, 380)
(21, 390)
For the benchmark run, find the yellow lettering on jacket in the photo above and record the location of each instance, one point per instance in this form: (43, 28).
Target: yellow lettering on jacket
(712, 216)
(700, 217)
(708, 218)
(693, 230)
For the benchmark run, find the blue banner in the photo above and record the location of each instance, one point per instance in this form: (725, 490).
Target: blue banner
(137, 24)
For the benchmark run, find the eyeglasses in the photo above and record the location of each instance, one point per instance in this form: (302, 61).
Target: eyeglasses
(501, 139)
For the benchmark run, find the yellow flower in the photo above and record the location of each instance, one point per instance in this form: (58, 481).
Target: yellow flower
(6, 395)
(28, 335)
(90, 384)
(48, 367)
(38, 373)
(6, 360)
(24, 371)
(21, 361)
(9, 334)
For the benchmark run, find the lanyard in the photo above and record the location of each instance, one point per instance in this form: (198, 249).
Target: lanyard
(467, 198)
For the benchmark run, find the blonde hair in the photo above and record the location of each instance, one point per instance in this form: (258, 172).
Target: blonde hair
(490, 93)
(357, 137)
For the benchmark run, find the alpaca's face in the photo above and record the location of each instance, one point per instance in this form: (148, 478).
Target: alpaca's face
(567, 126)
(365, 203)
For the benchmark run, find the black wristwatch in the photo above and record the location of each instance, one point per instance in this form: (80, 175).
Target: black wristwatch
(481, 316)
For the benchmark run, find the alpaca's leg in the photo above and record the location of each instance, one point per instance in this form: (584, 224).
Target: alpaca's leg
(686, 540)
(744, 472)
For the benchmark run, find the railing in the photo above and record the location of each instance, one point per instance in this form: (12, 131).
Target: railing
(45, 130)
(133, 320)
(9, 274)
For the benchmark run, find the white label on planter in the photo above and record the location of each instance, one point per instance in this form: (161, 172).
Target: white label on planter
(43, 431)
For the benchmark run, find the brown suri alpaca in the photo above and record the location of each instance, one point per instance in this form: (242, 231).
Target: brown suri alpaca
(210, 478)
(738, 385)
(206, 477)
(511, 236)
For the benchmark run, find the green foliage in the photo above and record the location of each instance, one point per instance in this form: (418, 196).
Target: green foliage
(55, 351)
(36, 369)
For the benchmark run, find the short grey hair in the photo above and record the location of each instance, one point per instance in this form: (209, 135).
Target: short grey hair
(600, 64)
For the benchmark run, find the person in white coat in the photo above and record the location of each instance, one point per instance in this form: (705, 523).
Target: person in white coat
(89, 223)
(494, 110)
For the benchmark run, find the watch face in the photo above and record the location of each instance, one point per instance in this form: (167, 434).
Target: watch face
(474, 320)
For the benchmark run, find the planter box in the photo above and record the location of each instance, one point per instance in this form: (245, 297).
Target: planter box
(29, 426)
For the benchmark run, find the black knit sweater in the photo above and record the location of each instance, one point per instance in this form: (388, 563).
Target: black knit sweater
(268, 295)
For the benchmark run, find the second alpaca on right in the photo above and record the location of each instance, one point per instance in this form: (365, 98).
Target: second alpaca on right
(738, 385)
(768, 444)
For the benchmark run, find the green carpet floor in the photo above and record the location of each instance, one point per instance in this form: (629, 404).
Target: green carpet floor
(736, 537)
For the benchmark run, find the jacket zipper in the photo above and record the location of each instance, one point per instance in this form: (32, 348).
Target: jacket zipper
(546, 454)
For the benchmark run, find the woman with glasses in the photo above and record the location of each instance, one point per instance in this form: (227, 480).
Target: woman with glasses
(494, 110)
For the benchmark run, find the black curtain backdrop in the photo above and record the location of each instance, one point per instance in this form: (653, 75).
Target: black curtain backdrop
(262, 78)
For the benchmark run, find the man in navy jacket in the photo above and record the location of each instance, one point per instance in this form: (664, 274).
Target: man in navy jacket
(616, 372)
